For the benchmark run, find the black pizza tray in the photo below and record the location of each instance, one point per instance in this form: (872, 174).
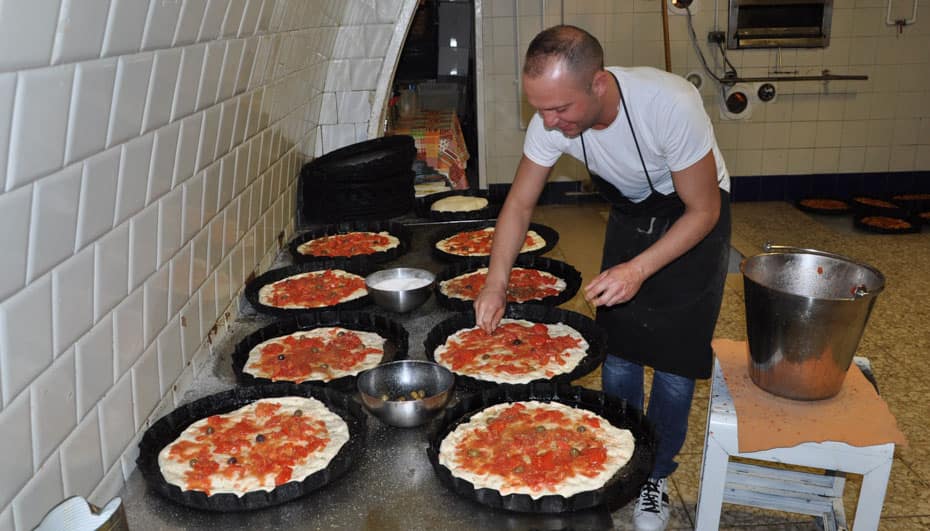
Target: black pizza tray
(358, 266)
(566, 272)
(423, 207)
(913, 220)
(548, 234)
(394, 348)
(827, 211)
(915, 204)
(169, 427)
(617, 492)
(397, 230)
(593, 334)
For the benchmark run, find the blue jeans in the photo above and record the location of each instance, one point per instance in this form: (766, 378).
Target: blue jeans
(669, 405)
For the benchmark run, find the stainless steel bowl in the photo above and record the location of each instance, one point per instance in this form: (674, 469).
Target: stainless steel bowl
(382, 388)
(386, 288)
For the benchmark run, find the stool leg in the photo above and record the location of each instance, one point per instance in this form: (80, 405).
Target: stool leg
(872, 496)
(713, 481)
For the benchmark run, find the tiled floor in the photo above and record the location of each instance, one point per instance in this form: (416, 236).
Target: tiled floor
(896, 340)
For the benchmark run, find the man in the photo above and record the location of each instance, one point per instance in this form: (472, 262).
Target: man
(650, 147)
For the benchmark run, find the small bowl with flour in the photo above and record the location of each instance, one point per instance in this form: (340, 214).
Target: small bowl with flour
(400, 289)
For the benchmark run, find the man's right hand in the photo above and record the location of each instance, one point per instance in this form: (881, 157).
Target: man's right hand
(489, 308)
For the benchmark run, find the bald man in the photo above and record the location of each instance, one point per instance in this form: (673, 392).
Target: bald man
(650, 149)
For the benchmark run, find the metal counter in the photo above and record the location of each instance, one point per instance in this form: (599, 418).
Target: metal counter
(392, 486)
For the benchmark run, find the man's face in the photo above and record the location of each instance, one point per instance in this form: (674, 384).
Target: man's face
(563, 101)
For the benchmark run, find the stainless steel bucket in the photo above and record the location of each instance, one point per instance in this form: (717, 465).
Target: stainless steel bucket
(805, 313)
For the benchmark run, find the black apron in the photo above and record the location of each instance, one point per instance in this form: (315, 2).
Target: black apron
(669, 323)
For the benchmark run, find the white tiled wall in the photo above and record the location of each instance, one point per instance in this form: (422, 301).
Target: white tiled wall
(878, 125)
(148, 154)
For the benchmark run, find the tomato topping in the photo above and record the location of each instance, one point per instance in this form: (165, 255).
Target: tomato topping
(349, 244)
(316, 290)
(534, 448)
(476, 242)
(265, 442)
(525, 285)
(512, 348)
(300, 358)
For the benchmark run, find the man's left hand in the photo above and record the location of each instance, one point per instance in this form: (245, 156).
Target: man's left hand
(618, 284)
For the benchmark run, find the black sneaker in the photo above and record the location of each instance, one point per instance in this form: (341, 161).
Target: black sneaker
(651, 513)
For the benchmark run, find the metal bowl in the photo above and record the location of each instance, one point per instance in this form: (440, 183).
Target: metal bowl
(386, 288)
(387, 391)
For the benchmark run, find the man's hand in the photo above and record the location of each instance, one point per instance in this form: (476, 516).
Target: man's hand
(489, 308)
(618, 284)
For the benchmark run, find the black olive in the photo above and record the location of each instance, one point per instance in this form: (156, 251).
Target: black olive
(581, 429)
(298, 412)
(516, 342)
(281, 356)
(341, 333)
(193, 462)
(209, 430)
(260, 438)
(486, 357)
(231, 461)
(540, 429)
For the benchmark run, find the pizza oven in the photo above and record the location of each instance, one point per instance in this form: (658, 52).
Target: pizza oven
(779, 23)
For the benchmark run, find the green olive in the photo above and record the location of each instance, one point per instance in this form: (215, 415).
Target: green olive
(581, 429)
(473, 453)
(575, 452)
(540, 429)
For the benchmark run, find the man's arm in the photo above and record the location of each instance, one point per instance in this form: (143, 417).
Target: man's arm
(697, 187)
(509, 234)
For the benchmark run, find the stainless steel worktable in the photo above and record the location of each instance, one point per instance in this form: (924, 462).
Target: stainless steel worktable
(391, 486)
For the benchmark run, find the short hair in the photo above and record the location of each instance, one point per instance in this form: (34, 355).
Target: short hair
(573, 46)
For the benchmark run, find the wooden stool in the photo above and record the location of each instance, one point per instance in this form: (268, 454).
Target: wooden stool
(764, 486)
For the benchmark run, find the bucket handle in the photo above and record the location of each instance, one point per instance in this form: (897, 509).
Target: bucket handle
(770, 247)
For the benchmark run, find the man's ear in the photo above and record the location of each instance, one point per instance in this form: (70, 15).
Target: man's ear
(599, 83)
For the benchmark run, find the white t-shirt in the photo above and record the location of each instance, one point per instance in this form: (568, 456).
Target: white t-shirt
(671, 126)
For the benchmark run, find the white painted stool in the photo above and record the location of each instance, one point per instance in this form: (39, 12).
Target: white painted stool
(763, 486)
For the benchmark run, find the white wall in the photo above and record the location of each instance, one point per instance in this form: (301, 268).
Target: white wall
(879, 125)
(148, 154)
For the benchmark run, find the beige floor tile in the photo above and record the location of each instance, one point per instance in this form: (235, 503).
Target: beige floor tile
(913, 523)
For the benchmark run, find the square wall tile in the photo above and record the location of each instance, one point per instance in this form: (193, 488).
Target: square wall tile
(363, 74)
(212, 19)
(245, 67)
(81, 462)
(115, 410)
(189, 21)
(170, 357)
(7, 92)
(15, 448)
(230, 70)
(27, 31)
(188, 81)
(156, 303)
(38, 497)
(250, 16)
(226, 127)
(53, 415)
(164, 150)
(111, 270)
(211, 190)
(161, 88)
(15, 211)
(54, 216)
(337, 136)
(133, 183)
(190, 329)
(169, 224)
(208, 137)
(40, 116)
(145, 391)
(80, 30)
(72, 299)
(143, 235)
(180, 280)
(209, 80)
(98, 196)
(90, 108)
(128, 334)
(233, 18)
(25, 337)
(93, 356)
(132, 81)
(188, 144)
(160, 24)
(193, 208)
(199, 256)
(125, 24)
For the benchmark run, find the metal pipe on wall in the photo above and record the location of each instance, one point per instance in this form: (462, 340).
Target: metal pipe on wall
(665, 39)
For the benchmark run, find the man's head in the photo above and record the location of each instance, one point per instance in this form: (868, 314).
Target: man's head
(565, 80)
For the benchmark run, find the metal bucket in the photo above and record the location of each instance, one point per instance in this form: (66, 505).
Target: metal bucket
(805, 313)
